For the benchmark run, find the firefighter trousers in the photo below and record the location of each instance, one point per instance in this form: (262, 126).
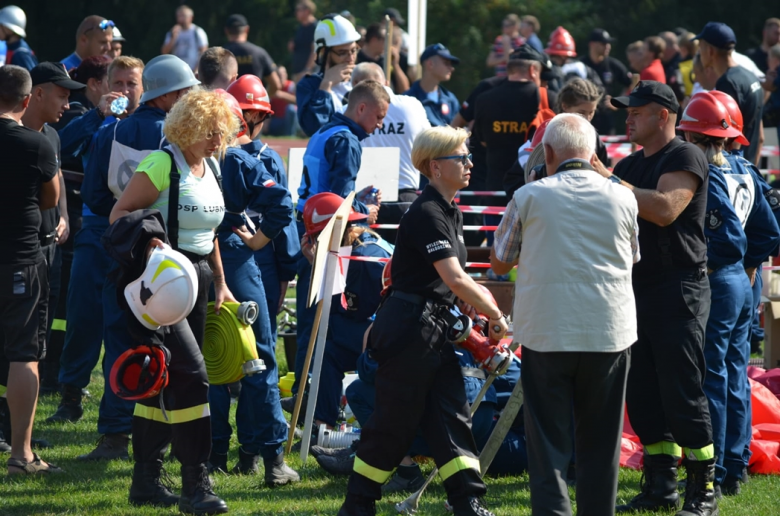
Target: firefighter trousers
(419, 385)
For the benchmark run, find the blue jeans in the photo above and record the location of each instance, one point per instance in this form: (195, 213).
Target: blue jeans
(116, 414)
(260, 423)
(726, 352)
(84, 330)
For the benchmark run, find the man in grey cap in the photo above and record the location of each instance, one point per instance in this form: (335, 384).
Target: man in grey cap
(666, 403)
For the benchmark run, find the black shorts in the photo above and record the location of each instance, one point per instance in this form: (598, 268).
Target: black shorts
(21, 286)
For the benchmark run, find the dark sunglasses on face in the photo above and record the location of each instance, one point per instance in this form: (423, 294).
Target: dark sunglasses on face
(463, 158)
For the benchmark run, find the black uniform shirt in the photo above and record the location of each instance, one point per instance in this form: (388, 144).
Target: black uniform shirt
(252, 60)
(503, 118)
(687, 247)
(744, 87)
(430, 231)
(28, 162)
(616, 78)
(51, 217)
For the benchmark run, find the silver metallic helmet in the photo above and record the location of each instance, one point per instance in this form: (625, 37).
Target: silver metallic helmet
(14, 19)
(165, 74)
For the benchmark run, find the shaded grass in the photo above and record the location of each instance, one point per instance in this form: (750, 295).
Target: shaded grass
(101, 488)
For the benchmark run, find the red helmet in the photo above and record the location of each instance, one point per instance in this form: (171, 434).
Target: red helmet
(735, 115)
(234, 108)
(538, 135)
(251, 94)
(140, 373)
(387, 280)
(320, 208)
(561, 44)
(706, 115)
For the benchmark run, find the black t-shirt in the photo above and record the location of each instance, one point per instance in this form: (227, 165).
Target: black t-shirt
(759, 57)
(502, 121)
(746, 90)
(616, 78)
(687, 246)
(51, 217)
(430, 231)
(302, 49)
(28, 162)
(252, 60)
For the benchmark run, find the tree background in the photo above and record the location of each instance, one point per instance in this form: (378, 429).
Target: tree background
(466, 27)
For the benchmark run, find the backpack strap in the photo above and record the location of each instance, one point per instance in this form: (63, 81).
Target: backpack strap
(216, 172)
(173, 203)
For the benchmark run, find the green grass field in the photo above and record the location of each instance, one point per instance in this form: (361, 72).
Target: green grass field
(88, 489)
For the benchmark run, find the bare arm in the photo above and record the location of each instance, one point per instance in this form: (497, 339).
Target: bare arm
(663, 205)
(498, 266)
(760, 143)
(272, 83)
(63, 226)
(467, 291)
(167, 48)
(459, 121)
(50, 192)
(139, 194)
(221, 291)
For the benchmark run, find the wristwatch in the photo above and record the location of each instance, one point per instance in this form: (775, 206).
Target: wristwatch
(615, 179)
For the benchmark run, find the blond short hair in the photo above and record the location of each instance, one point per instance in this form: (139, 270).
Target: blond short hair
(433, 143)
(124, 63)
(196, 115)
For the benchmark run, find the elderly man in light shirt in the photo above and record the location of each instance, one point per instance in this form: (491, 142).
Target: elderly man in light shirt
(573, 236)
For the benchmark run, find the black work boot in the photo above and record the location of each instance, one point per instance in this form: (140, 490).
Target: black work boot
(109, 447)
(658, 486)
(471, 506)
(700, 490)
(247, 463)
(288, 404)
(277, 473)
(217, 463)
(355, 505)
(70, 409)
(197, 496)
(147, 487)
(321, 451)
(339, 464)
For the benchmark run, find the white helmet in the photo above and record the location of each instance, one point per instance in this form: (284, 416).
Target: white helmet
(334, 30)
(14, 19)
(166, 291)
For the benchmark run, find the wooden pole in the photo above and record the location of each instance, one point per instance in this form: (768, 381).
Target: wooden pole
(388, 49)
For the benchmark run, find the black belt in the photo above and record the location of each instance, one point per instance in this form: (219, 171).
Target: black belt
(410, 298)
(473, 372)
(194, 258)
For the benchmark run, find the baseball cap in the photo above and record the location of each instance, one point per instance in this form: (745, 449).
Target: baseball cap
(395, 15)
(529, 53)
(647, 92)
(236, 21)
(600, 36)
(438, 50)
(54, 73)
(718, 34)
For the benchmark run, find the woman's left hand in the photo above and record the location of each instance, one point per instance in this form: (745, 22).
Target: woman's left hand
(222, 294)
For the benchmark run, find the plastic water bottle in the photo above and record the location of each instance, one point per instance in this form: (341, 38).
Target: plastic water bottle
(119, 105)
(371, 197)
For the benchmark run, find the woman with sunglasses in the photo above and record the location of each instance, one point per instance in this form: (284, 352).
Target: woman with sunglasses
(419, 384)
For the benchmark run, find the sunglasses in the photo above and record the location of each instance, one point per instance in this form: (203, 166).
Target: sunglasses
(463, 158)
(104, 25)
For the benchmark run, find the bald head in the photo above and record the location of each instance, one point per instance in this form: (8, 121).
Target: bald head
(92, 39)
(367, 72)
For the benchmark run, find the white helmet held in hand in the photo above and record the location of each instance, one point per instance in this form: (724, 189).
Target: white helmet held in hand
(334, 30)
(166, 291)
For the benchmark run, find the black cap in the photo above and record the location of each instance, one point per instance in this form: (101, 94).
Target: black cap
(54, 73)
(395, 15)
(529, 53)
(647, 92)
(600, 36)
(236, 21)
(719, 35)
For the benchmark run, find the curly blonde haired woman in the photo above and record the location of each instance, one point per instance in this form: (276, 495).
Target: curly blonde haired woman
(185, 175)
